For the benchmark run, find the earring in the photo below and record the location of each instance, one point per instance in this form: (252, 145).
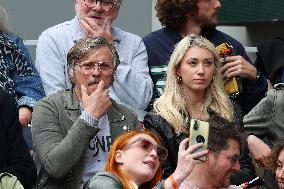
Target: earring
(179, 78)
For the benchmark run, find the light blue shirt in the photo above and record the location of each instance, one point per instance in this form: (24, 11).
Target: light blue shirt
(132, 85)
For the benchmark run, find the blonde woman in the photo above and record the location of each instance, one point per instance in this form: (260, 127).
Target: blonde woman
(194, 89)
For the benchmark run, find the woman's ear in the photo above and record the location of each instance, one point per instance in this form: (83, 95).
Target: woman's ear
(177, 71)
(118, 157)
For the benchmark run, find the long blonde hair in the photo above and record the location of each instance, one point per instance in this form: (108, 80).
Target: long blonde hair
(172, 104)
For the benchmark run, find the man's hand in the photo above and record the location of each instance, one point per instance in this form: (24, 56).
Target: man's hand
(259, 150)
(98, 103)
(237, 66)
(25, 115)
(93, 29)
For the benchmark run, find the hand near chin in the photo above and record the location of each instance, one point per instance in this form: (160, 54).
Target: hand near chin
(94, 29)
(97, 103)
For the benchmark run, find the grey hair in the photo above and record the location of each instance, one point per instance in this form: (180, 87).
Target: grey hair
(83, 47)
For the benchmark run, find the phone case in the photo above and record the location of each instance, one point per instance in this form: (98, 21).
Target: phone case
(199, 132)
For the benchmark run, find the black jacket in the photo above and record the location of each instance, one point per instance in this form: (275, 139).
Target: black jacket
(171, 140)
(270, 59)
(15, 157)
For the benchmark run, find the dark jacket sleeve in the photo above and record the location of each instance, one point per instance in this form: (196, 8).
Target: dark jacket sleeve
(17, 159)
(270, 58)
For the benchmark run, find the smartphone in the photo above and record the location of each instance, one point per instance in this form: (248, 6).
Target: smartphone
(199, 132)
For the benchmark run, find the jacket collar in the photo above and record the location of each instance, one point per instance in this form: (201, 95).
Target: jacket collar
(71, 104)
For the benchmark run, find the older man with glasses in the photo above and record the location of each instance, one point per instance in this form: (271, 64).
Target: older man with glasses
(133, 87)
(74, 128)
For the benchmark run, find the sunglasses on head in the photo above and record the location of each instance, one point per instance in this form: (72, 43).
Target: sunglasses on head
(148, 146)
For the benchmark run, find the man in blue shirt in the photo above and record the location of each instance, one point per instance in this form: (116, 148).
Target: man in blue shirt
(133, 86)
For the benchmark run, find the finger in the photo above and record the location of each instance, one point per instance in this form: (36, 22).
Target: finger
(86, 28)
(231, 69)
(222, 69)
(107, 24)
(230, 65)
(235, 73)
(84, 24)
(106, 93)
(100, 86)
(232, 58)
(199, 154)
(183, 144)
(84, 92)
(194, 147)
(95, 26)
(86, 21)
(89, 27)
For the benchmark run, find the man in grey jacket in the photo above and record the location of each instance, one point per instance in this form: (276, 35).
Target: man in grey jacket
(265, 127)
(134, 85)
(73, 128)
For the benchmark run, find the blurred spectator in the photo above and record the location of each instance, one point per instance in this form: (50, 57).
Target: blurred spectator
(15, 158)
(18, 75)
(276, 163)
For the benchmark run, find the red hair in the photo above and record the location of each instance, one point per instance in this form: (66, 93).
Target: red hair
(119, 144)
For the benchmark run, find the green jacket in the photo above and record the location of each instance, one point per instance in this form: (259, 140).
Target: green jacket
(61, 138)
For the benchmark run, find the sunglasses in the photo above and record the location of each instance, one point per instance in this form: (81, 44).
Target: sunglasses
(148, 146)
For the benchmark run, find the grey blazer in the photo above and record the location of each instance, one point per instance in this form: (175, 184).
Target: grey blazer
(106, 180)
(266, 119)
(61, 138)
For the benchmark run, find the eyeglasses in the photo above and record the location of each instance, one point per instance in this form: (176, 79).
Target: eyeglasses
(233, 159)
(148, 146)
(106, 5)
(88, 67)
